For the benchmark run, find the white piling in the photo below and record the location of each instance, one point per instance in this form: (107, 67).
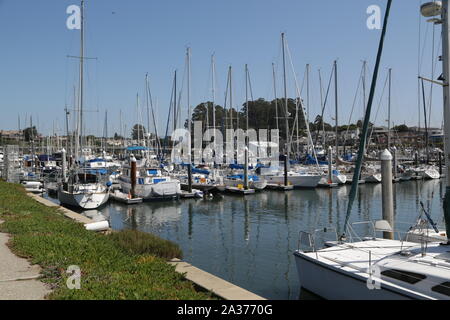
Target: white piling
(387, 191)
(64, 166)
(330, 166)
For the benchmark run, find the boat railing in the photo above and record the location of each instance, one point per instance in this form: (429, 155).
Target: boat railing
(374, 227)
(309, 241)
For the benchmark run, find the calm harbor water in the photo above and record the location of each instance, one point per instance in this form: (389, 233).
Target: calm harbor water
(250, 240)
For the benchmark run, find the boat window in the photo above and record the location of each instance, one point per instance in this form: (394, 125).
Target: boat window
(87, 178)
(405, 276)
(443, 288)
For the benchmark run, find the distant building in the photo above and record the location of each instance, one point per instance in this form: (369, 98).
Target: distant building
(11, 134)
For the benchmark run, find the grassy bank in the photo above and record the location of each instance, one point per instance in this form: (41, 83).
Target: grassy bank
(124, 265)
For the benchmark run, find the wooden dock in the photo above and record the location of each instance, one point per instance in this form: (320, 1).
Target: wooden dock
(195, 194)
(123, 198)
(240, 191)
(327, 185)
(279, 187)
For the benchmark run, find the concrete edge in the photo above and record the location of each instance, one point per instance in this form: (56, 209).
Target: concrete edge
(223, 289)
(66, 212)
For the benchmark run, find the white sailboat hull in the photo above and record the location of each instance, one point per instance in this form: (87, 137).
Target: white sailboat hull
(339, 179)
(332, 283)
(298, 181)
(161, 190)
(430, 174)
(373, 178)
(84, 200)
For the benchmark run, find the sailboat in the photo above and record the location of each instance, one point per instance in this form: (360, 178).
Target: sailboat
(384, 268)
(82, 189)
(301, 177)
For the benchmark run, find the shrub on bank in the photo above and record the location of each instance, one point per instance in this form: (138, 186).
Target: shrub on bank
(112, 267)
(137, 242)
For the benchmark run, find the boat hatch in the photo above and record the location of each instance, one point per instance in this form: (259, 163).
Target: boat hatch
(405, 276)
(443, 288)
(152, 172)
(158, 180)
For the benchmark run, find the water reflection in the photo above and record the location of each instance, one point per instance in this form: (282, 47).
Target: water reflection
(249, 240)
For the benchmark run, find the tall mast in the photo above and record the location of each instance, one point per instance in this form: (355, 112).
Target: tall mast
(175, 101)
(188, 61)
(79, 127)
(246, 98)
(139, 128)
(321, 106)
(307, 104)
(213, 62)
(231, 97)
(81, 72)
(32, 144)
(336, 106)
(275, 94)
(121, 126)
(389, 112)
(148, 110)
(288, 147)
(106, 131)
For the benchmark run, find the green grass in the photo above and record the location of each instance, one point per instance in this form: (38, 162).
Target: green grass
(123, 265)
(136, 242)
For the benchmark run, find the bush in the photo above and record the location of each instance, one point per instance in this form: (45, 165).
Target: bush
(136, 242)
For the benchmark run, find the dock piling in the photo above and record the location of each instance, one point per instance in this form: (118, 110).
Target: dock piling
(387, 191)
(133, 176)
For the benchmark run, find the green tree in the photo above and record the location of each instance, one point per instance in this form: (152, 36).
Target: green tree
(401, 128)
(30, 133)
(117, 136)
(138, 132)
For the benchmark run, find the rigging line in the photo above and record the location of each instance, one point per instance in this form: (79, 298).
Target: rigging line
(300, 101)
(425, 117)
(326, 99)
(153, 114)
(180, 95)
(430, 101)
(250, 84)
(379, 105)
(436, 61)
(353, 105)
(422, 53)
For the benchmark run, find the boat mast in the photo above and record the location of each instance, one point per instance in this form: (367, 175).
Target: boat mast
(79, 140)
(175, 101)
(213, 67)
(389, 112)
(322, 107)
(188, 61)
(275, 94)
(288, 147)
(231, 97)
(336, 107)
(246, 102)
(307, 106)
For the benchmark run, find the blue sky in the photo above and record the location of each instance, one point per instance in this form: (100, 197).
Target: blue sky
(131, 38)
